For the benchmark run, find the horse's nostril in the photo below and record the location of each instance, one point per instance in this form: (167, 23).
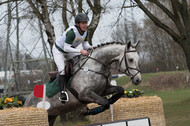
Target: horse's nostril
(138, 80)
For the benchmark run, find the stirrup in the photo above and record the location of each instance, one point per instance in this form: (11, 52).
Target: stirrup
(66, 96)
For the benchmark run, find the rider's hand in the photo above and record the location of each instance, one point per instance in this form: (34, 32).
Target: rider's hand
(92, 47)
(84, 52)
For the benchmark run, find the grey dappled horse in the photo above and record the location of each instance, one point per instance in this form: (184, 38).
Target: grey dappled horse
(92, 79)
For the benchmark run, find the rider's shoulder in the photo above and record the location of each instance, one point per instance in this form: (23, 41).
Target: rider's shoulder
(71, 30)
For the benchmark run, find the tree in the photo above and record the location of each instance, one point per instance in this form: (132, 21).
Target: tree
(162, 52)
(179, 14)
(94, 6)
(43, 14)
(121, 33)
(2, 54)
(69, 10)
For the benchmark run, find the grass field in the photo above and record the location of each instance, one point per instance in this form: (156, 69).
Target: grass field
(176, 105)
(176, 102)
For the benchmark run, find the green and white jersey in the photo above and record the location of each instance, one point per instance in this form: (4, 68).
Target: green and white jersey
(70, 39)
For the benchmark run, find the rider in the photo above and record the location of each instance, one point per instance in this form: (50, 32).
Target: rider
(65, 48)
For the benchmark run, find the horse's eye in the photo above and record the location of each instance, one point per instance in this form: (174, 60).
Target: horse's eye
(130, 60)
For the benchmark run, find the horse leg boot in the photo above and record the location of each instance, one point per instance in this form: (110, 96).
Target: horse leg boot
(117, 95)
(94, 111)
(62, 85)
(116, 90)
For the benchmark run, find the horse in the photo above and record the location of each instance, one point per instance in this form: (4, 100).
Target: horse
(92, 78)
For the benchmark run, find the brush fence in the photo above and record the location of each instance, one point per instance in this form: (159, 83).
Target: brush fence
(24, 117)
(131, 108)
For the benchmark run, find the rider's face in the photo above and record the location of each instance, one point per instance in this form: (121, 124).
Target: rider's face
(83, 25)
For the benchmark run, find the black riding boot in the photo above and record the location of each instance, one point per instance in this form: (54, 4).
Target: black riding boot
(62, 85)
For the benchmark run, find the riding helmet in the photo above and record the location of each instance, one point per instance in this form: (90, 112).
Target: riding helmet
(81, 17)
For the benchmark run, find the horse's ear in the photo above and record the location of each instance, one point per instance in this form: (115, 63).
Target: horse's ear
(128, 44)
(137, 44)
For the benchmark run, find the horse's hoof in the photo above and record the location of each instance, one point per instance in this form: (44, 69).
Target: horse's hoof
(84, 111)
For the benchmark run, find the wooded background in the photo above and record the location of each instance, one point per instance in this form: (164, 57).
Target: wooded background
(164, 32)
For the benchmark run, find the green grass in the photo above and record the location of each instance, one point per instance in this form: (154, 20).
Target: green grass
(122, 80)
(176, 105)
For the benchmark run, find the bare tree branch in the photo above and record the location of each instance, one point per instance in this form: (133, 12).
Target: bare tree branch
(44, 17)
(129, 6)
(79, 6)
(35, 10)
(185, 14)
(90, 5)
(181, 19)
(9, 1)
(177, 19)
(64, 14)
(96, 9)
(119, 14)
(161, 6)
(157, 22)
(72, 7)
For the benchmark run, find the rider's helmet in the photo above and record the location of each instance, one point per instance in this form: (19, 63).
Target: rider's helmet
(81, 17)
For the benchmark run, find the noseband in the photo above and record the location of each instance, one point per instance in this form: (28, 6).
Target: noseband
(126, 71)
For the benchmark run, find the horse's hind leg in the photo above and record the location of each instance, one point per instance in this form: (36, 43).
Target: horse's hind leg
(51, 119)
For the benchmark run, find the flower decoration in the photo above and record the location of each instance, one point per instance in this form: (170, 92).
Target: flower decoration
(7, 102)
(133, 93)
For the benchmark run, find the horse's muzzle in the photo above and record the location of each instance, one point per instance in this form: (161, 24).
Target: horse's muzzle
(136, 79)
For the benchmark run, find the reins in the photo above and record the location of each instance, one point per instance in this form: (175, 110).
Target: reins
(86, 69)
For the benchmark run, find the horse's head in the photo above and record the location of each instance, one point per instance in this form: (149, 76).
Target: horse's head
(129, 63)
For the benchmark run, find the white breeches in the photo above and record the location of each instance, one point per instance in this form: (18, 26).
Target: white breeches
(60, 58)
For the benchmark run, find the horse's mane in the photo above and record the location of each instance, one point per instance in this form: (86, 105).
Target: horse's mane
(97, 47)
(107, 43)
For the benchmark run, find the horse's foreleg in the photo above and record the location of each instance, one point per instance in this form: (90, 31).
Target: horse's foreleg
(51, 119)
(119, 91)
(91, 97)
(85, 111)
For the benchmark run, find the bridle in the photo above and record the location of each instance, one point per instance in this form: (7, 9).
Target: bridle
(127, 70)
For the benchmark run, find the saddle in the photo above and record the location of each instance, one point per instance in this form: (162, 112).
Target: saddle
(68, 71)
(52, 87)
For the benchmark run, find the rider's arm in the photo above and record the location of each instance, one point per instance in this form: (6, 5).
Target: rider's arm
(68, 48)
(85, 44)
